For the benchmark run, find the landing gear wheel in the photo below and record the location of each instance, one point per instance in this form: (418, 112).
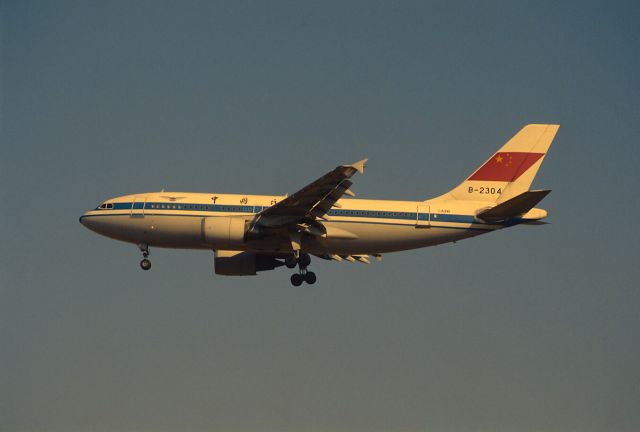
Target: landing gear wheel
(310, 278)
(145, 264)
(296, 279)
(304, 260)
(291, 261)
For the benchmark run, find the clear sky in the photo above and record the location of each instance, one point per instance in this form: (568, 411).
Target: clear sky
(527, 329)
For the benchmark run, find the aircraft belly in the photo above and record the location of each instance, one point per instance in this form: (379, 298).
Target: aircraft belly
(380, 238)
(175, 231)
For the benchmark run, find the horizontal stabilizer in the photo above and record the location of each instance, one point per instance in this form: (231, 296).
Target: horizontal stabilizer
(516, 206)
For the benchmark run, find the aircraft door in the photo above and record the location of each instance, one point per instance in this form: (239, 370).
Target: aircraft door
(137, 207)
(423, 216)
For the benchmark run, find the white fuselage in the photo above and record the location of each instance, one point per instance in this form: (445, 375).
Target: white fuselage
(255, 233)
(353, 226)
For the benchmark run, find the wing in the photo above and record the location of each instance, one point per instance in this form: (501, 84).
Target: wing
(312, 201)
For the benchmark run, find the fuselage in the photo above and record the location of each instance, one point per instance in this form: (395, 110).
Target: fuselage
(353, 226)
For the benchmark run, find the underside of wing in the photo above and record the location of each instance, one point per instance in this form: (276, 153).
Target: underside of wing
(364, 259)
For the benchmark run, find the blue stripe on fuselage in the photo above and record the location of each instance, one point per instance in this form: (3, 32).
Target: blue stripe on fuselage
(369, 214)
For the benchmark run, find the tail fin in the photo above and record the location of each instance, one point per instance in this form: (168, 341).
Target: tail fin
(510, 171)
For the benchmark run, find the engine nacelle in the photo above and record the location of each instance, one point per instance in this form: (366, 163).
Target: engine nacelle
(238, 263)
(224, 232)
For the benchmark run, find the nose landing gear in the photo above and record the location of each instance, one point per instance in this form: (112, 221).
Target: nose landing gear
(145, 264)
(302, 260)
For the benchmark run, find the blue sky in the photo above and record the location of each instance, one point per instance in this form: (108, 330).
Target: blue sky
(532, 328)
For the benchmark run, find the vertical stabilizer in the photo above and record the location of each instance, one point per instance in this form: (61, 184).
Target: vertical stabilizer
(511, 170)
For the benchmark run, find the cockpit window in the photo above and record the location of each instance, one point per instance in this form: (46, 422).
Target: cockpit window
(106, 206)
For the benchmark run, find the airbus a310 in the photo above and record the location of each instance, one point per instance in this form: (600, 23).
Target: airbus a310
(253, 233)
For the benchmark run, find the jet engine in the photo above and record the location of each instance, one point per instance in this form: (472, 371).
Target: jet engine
(238, 263)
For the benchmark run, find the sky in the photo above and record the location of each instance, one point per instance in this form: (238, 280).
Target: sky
(526, 329)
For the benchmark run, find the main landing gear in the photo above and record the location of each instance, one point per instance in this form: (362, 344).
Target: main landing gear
(145, 264)
(302, 260)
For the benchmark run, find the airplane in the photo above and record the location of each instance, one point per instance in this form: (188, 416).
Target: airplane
(254, 233)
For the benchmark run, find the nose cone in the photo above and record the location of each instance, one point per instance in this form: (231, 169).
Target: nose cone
(98, 223)
(87, 221)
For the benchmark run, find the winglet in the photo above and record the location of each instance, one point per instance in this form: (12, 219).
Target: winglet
(360, 165)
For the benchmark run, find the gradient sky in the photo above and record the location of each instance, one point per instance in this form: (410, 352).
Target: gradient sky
(527, 329)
